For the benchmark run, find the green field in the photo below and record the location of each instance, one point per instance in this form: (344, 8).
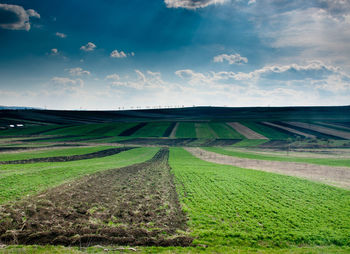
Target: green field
(30, 130)
(186, 130)
(250, 142)
(229, 206)
(224, 131)
(51, 153)
(19, 180)
(257, 156)
(152, 130)
(204, 131)
(267, 131)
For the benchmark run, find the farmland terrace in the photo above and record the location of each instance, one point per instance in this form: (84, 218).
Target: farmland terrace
(185, 180)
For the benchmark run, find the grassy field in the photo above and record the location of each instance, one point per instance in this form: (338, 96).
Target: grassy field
(30, 130)
(224, 131)
(152, 130)
(250, 142)
(19, 180)
(256, 156)
(51, 153)
(204, 131)
(270, 133)
(186, 130)
(229, 206)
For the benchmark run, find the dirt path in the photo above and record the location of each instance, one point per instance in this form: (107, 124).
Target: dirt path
(245, 131)
(324, 130)
(336, 176)
(99, 154)
(173, 132)
(290, 130)
(134, 205)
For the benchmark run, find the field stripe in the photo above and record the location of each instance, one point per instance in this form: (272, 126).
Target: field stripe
(336, 176)
(290, 130)
(132, 130)
(320, 129)
(173, 132)
(245, 131)
(337, 126)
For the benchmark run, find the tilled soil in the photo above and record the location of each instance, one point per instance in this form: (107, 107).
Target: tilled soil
(336, 176)
(134, 205)
(245, 131)
(99, 154)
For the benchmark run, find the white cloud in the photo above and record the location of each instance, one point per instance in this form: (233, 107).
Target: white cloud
(231, 59)
(117, 54)
(251, 2)
(114, 77)
(147, 80)
(88, 47)
(63, 85)
(54, 52)
(78, 72)
(120, 54)
(61, 35)
(191, 4)
(15, 17)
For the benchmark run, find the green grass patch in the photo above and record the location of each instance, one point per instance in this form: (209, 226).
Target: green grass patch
(270, 133)
(204, 131)
(37, 249)
(19, 180)
(186, 130)
(230, 206)
(51, 153)
(250, 142)
(256, 156)
(224, 131)
(27, 130)
(152, 130)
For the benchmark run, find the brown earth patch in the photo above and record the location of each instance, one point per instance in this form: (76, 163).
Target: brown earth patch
(245, 131)
(320, 129)
(173, 132)
(336, 176)
(99, 154)
(291, 130)
(134, 205)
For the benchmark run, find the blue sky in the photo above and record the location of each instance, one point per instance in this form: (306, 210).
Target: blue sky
(111, 54)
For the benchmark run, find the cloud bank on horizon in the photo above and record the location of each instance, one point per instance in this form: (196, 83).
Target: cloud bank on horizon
(177, 52)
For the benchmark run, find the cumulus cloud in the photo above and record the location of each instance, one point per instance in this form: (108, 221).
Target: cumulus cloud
(120, 54)
(313, 76)
(88, 47)
(191, 4)
(114, 77)
(142, 80)
(61, 35)
(15, 17)
(231, 59)
(78, 72)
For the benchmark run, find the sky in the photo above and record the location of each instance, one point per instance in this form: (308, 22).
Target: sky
(122, 54)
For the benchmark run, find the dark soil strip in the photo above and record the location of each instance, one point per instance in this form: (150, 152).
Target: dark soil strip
(134, 205)
(158, 141)
(132, 130)
(5, 149)
(53, 129)
(169, 130)
(99, 154)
